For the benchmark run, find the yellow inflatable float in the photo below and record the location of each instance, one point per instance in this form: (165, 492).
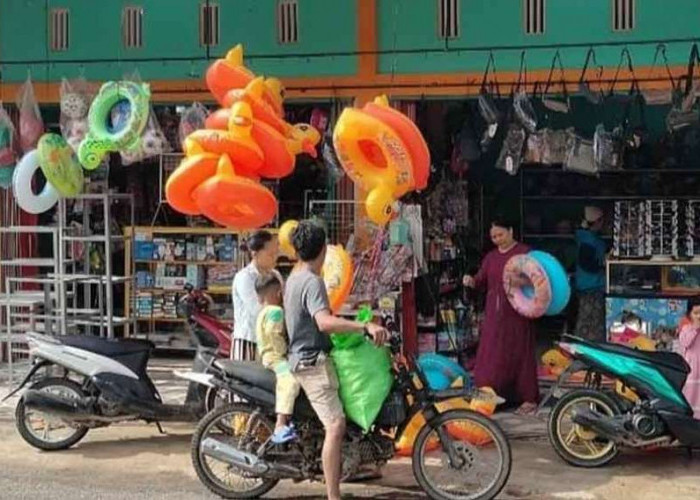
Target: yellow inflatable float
(383, 151)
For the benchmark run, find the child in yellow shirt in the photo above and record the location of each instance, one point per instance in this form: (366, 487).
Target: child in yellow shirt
(272, 347)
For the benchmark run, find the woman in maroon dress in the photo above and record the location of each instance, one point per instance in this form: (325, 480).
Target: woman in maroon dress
(505, 360)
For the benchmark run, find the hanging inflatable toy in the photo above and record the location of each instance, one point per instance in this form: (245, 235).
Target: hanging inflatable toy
(101, 138)
(22, 186)
(284, 236)
(558, 280)
(248, 140)
(383, 151)
(59, 165)
(337, 274)
(233, 200)
(186, 178)
(533, 299)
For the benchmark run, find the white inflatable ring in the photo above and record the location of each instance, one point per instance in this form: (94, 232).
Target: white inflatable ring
(22, 186)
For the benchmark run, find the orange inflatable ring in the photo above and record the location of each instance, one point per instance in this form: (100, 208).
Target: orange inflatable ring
(228, 73)
(337, 275)
(249, 157)
(279, 151)
(384, 153)
(235, 201)
(529, 301)
(411, 137)
(254, 96)
(186, 178)
(472, 433)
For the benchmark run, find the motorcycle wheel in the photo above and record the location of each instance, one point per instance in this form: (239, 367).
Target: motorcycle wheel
(575, 444)
(473, 437)
(41, 436)
(231, 423)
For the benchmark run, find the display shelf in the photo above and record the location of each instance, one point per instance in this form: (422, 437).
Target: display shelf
(28, 262)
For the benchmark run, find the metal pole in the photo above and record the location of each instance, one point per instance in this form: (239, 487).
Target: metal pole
(108, 266)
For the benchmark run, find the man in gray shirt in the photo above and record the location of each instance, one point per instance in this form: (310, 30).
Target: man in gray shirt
(309, 323)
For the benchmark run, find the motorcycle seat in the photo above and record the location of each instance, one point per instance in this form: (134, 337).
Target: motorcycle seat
(669, 360)
(251, 372)
(106, 347)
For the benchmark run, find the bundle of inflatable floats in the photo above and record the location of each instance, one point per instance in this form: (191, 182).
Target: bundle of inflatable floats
(57, 158)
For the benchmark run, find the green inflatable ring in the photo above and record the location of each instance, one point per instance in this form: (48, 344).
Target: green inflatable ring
(100, 140)
(59, 165)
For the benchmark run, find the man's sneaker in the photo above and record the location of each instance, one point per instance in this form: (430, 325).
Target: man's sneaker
(284, 435)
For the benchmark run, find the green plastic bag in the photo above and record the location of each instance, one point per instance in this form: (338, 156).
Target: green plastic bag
(364, 375)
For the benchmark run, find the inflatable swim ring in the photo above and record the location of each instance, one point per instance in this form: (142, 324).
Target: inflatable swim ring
(59, 165)
(233, 200)
(22, 186)
(285, 238)
(441, 372)
(100, 139)
(337, 274)
(558, 280)
(383, 153)
(533, 300)
(182, 183)
(228, 73)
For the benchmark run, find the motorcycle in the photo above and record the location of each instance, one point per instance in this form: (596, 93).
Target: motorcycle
(453, 453)
(103, 382)
(588, 426)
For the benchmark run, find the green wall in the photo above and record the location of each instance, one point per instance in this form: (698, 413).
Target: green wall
(412, 24)
(171, 30)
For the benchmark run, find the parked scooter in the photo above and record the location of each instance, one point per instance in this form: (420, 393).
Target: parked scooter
(105, 381)
(587, 427)
(457, 455)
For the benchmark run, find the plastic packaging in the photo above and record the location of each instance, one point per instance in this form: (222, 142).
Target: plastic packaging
(31, 126)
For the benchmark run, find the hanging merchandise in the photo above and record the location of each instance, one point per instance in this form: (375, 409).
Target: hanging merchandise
(153, 143)
(557, 105)
(554, 146)
(608, 148)
(60, 165)
(193, 118)
(31, 126)
(534, 147)
(660, 97)
(8, 158)
(22, 186)
(524, 112)
(683, 113)
(511, 153)
(383, 151)
(242, 142)
(594, 97)
(579, 156)
(487, 106)
(330, 158)
(76, 96)
(102, 138)
(319, 120)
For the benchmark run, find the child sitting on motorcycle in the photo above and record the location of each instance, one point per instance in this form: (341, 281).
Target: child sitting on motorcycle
(272, 347)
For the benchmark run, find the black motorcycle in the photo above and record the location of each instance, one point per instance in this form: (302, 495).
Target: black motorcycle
(457, 455)
(81, 382)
